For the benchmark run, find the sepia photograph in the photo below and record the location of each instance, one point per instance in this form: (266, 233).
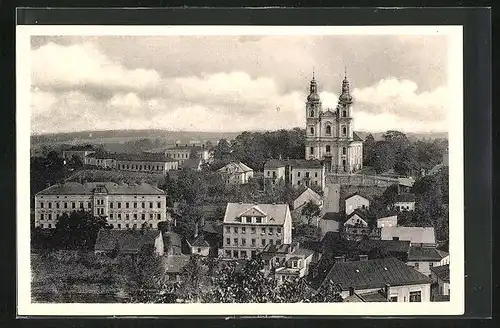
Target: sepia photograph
(211, 169)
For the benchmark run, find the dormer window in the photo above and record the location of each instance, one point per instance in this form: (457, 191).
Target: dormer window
(258, 220)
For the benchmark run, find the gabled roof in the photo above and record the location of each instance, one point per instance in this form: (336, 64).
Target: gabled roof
(199, 242)
(407, 182)
(276, 213)
(357, 212)
(76, 188)
(328, 112)
(171, 239)
(374, 274)
(356, 137)
(390, 246)
(406, 197)
(356, 194)
(305, 164)
(124, 240)
(418, 253)
(442, 271)
(239, 167)
(253, 211)
(339, 217)
(214, 227)
(416, 235)
(375, 296)
(309, 194)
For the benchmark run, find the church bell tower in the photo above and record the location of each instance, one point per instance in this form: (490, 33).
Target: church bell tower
(313, 112)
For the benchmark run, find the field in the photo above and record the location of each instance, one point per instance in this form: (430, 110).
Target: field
(92, 175)
(74, 276)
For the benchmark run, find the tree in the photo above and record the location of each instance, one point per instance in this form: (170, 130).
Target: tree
(328, 292)
(310, 210)
(308, 231)
(385, 156)
(222, 151)
(369, 150)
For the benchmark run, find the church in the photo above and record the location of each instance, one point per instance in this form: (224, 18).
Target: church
(329, 134)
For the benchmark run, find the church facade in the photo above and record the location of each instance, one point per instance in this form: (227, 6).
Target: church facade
(329, 134)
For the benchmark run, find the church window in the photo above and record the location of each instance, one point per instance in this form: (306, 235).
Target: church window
(344, 150)
(312, 113)
(311, 150)
(328, 148)
(328, 130)
(344, 130)
(344, 113)
(312, 130)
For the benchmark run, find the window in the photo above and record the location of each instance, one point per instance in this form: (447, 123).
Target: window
(158, 204)
(258, 220)
(328, 130)
(135, 204)
(244, 229)
(228, 229)
(312, 130)
(263, 241)
(254, 253)
(199, 250)
(65, 205)
(111, 216)
(235, 241)
(119, 225)
(315, 174)
(159, 216)
(235, 229)
(328, 148)
(228, 241)
(151, 216)
(278, 230)
(127, 226)
(344, 113)
(263, 230)
(243, 242)
(416, 296)
(119, 216)
(344, 130)
(41, 204)
(143, 205)
(253, 230)
(270, 230)
(298, 174)
(119, 205)
(235, 254)
(268, 173)
(150, 204)
(253, 242)
(311, 150)
(135, 216)
(50, 205)
(278, 241)
(244, 254)
(81, 205)
(50, 225)
(344, 151)
(393, 299)
(126, 216)
(73, 204)
(41, 216)
(143, 216)
(228, 253)
(294, 264)
(127, 205)
(110, 204)
(311, 113)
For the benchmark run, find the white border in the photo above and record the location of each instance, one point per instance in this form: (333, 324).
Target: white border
(455, 121)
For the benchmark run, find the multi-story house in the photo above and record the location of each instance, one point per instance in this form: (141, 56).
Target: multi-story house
(249, 228)
(183, 152)
(236, 173)
(418, 236)
(124, 206)
(307, 173)
(101, 160)
(423, 259)
(356, 201)
(146, 162)
(274, 172)
(405, 202)
(387, 221)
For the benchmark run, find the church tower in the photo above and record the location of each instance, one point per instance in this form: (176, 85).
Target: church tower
(313, 113)
(345, 132)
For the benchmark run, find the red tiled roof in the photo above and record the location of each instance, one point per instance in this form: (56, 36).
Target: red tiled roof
(374, 274)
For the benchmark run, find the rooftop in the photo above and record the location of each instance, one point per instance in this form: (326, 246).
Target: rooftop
(417, 235)
(356, 137)
(191, 163)
(235, 167)
(375, 296)
(390, 246)
(144, 157)
(418, 253)
(275, 163)
(442, 271)
(375, 274)
(276, 213)
(199, 242)
(175, 263)
(356, 194)
(339, 217)
(124, 240)
(76, 188)
(81, 148)
(172, 239)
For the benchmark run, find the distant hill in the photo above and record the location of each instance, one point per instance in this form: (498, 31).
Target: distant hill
(410, 135)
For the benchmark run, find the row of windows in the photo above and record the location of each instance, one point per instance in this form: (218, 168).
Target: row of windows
(139, 167)
(111, 216)
(344, 113)
(253, 230)
(175, 155)
(130, 226)
(329, 130)
(134, 216)
(308, 174)
(134, 204)
(239, 254)
(250, 219)
(253, 242)
(65, 205)
(308, 183)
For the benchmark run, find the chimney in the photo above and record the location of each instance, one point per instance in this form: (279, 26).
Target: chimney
(386, 291)
(196, 230)
(340, 258)
(351, 291)
(363, 257)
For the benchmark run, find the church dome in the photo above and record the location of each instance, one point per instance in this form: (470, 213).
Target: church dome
(313, 97)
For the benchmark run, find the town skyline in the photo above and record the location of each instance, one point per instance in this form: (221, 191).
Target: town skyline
(234, 83)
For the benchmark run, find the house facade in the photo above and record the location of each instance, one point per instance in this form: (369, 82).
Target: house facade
(124, 206)
(236, 173)
(181, 153)
(329, 134)
(405, 202)
(307, 173)
(101, 161)
(356, 201)
(78, 151)
(423, 259)
(249, 228)
(147, 162)
(274, 172)
(441, 276)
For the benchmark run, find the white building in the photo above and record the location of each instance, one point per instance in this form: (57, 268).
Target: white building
(356, 201)
(249, 228)
(307, 173)
(388, 221)
(405, 202)
(236, 173)
(124, 206)
(416, 235)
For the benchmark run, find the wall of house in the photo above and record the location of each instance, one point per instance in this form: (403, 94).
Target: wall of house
(356, 202)
(298, 177)
(445, 260)
(360, 180)
(328, 225)
(248, 241)
(274, 174)
(408, 206)
(423, 267)
(159, 246)
(68, 154)
(356, 220)
(147, 166)
(103, 163)
(331, 202)
(116, 216)
(203, 251)
(391, 221)
(401, 292)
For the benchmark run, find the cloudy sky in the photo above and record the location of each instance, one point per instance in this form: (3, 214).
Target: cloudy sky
(234, 83)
